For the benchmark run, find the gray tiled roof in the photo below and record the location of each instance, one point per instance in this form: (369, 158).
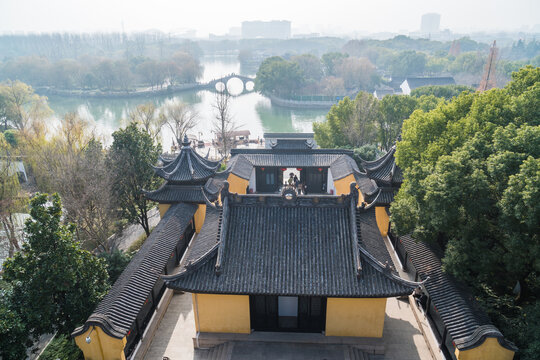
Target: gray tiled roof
(384, 170)
(416, 82)
(343, 166)
(367, 186)
(118, 310)
(187, 168)
(168, 194)
(370, 165)
(243, 160)
(292, 144)
(384, 196)
(292, 159)
(240, 166)
(207, 240)
(305, 247)
(289, 135)
(370, 237)
(467, 324)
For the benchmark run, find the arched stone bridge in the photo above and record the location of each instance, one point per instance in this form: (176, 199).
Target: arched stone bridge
(248, 84)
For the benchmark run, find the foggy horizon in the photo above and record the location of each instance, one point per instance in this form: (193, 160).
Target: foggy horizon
(341, 18)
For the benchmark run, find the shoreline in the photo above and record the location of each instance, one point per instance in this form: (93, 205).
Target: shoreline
(98, 94)
(297, 104)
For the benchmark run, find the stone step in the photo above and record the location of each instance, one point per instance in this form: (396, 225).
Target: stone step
(354, 353)
(219, 352)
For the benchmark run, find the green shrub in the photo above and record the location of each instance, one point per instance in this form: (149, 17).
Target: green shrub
(62, 347)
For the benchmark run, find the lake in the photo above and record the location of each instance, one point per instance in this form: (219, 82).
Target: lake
(252, 111)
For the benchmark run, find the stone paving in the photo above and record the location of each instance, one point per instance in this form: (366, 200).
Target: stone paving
(174, 338)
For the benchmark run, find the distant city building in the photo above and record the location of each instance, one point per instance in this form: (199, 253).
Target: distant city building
(430, 23)
(412, 83)
(266, 29)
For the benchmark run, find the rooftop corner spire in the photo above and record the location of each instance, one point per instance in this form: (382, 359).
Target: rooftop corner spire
(186, 142)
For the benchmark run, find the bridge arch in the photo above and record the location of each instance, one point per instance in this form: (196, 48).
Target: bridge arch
(225, 83)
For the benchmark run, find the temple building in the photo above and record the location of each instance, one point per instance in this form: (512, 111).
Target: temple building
(259, 255)
(287, 263)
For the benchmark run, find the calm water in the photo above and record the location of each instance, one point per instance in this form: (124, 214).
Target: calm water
(253, 111)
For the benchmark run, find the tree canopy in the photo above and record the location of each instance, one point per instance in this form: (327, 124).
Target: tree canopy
(53, 284)
(441, 91)
(472, 184)
(131, 157)
(279, 77)
(366, 120)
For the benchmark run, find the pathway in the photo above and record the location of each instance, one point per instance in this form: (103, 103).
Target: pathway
(174, 338)
(133, 231)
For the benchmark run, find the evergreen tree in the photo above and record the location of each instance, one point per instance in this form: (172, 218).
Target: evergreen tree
(131, 157)
(55, 284)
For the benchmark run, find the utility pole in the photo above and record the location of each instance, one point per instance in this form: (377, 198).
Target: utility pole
(489, 80)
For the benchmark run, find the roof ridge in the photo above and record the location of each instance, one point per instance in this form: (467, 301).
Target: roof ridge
(223, 231)
(383, 160)
(385, 269)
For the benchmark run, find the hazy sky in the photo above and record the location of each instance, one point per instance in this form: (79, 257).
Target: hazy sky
(217, 16)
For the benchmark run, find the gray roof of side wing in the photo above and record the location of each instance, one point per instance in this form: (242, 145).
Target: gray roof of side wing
(169, 194)
(118, 310)
(467, 323)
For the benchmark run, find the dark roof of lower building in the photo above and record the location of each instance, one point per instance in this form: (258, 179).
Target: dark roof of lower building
(289, 135)
(384, 196)
(343, 166)
(369, 236)
(467, 323)
(384, 170)
(373, 164)
(268, 245)
(366, 185)
(244, 160)
(292, 144)
(170, 194)
(416, 82)
(118, 310)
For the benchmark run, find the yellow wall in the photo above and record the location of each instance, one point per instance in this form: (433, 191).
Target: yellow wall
(489, 350)
(355, 317)
(343, 186)
(102, 346)
(383, 220)
(163, 209)
(222, 313)
(199, 216)
(237, 184)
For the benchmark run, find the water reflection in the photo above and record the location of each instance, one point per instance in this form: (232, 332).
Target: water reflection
(251, 111)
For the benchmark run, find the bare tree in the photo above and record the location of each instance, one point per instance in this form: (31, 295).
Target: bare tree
(72, 162)
(146, 116)
(223, 125)
(179, 117)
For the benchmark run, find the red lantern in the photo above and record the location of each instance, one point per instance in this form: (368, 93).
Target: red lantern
(262, 169)
(320, 169)
(299, 169)
(283, 169)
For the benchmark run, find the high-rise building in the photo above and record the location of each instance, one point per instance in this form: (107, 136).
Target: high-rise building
(430, 23)
(266, 29)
